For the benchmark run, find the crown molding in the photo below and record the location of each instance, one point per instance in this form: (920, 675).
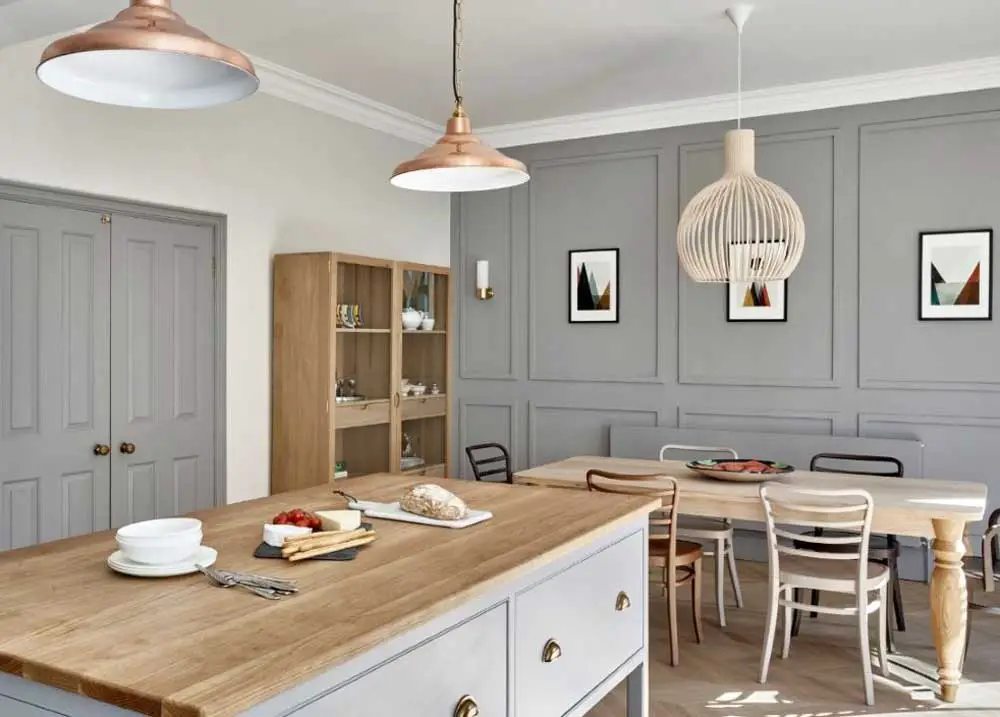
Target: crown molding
(284, 83)
(942, 79)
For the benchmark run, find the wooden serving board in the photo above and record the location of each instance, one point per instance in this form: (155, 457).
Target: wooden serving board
(392, 511)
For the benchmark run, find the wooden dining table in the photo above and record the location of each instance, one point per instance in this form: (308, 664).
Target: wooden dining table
(916, 507)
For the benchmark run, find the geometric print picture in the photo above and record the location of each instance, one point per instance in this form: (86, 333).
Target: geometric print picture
(757, 301)
(956, 275)
(593, 286)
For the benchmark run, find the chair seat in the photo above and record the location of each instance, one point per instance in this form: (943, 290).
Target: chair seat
(687, 552)
(706, 528)
(834, 575)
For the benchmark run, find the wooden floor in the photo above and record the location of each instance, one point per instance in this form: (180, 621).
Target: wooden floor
(821, 678)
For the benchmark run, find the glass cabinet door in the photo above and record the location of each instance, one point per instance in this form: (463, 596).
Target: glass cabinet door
(423, 405)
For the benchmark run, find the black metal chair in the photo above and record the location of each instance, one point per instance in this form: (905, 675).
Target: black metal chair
(491, 464)
(882, 548)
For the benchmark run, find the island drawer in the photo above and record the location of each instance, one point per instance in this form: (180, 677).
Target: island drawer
(15, 708)
(469, 660)
(579, 626)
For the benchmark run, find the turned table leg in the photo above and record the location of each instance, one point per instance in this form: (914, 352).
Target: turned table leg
(949, 604)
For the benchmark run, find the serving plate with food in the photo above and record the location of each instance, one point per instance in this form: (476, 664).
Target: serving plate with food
(740, 470)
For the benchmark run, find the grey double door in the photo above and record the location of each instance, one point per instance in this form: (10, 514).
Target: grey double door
(106, 371)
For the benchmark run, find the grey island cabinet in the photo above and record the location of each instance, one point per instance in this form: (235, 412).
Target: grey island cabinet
(539, 612)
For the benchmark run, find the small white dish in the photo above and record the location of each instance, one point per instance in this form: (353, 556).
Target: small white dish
(427, 324)
(205, 556)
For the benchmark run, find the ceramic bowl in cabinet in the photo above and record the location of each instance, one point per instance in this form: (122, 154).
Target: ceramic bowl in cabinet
(160, 542)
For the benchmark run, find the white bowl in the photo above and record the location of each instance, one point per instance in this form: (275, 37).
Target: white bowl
(427, 324)
(160, 542)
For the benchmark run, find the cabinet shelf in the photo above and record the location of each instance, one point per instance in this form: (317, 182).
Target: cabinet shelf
(414, 332)
(363, 331)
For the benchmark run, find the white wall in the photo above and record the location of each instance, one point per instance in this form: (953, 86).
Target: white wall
(288, 178)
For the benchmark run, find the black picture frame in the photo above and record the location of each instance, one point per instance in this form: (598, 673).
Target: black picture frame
(616, 296)
(731, 320)
(921, 241)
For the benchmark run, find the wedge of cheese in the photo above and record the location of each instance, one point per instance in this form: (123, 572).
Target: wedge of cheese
(340, 519)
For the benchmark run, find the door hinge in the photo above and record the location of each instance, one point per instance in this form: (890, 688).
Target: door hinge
(213, 267)
(105, 219)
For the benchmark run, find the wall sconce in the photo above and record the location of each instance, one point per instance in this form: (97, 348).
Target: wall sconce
(483, 289)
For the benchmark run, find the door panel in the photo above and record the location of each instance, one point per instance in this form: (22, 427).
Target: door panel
(164, 343)
(54, 373)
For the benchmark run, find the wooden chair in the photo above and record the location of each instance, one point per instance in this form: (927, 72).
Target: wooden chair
(679, 561)
(982, 572)
(719, 533)
(797, 561)
(487, 465)
(882, 548)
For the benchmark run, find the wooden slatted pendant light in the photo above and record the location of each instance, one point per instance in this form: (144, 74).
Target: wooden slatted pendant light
(742, 228)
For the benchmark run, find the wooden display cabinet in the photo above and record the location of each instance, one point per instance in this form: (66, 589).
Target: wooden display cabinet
(337, 378)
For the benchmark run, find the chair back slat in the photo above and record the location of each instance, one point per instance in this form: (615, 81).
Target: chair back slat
(821, 463)
(850, 510)
(497, 453)
(701, 451)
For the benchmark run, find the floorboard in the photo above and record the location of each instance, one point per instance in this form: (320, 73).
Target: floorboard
(821, 678)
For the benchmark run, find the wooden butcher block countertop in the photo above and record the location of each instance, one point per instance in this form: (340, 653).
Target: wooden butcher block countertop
(181, 647)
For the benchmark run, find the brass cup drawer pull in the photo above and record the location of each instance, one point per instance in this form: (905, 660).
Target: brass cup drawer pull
(551, 652)
(127, 448)
(102, 450)
(467, 707)
(622, 603)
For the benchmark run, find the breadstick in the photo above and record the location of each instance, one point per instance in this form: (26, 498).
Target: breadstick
(321, 534)
(321, 541)
(295, 557)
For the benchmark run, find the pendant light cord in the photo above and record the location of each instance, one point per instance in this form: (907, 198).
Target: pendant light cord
(739, 78)
(456, 55)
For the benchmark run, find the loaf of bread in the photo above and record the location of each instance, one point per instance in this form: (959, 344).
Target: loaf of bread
(433, 501)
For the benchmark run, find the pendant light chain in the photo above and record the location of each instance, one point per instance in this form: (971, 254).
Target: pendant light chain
(456, 57)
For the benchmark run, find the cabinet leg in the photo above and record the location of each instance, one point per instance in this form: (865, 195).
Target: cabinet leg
(637, 690)
(949, 604)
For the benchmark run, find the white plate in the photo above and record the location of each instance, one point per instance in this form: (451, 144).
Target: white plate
(392, 511)
(120, 564)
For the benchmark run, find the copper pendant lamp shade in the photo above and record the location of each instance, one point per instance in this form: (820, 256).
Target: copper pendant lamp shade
(459, 161)
(147, 56)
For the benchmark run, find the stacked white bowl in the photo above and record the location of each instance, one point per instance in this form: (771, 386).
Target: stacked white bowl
(166, 541)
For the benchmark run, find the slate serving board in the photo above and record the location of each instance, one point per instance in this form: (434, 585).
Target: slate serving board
(269, 551)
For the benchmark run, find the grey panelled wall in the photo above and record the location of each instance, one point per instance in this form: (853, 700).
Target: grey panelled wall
(852, 359)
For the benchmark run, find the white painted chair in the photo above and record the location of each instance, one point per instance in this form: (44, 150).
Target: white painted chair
(717, 533)
(848, 573)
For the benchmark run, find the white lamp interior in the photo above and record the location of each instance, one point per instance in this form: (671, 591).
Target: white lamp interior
(147, 78)
(460, 179)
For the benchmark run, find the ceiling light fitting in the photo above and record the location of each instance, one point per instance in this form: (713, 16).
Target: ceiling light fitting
(147, 56)
(742, 228)
(459, 161)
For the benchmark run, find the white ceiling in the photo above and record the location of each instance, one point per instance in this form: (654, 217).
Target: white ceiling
(534, 59)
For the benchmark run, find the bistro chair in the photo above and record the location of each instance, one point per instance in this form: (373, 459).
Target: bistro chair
(496, 461)
(717, 532)
(882, 548)
(801, 562)
(982, 572)
(679, 561)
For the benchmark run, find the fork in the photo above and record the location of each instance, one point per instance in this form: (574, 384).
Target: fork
(230, 582)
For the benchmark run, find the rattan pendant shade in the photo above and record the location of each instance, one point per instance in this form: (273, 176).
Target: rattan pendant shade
(741, 228)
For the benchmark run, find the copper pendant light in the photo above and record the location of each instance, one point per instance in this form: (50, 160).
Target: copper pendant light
(147, 56)
(459, 161)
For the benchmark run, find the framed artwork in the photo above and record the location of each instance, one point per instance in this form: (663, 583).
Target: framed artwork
(956, 275)
(756, 300)
(593, 286)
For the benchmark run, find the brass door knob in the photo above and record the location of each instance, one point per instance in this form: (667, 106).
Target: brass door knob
(127, 448)
(622, 603)
(101, 450)
(467, 707)
(551, 652)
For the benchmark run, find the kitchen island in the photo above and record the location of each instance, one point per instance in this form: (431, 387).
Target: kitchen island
(538, 612)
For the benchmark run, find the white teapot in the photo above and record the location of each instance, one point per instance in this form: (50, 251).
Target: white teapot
(412, 318)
